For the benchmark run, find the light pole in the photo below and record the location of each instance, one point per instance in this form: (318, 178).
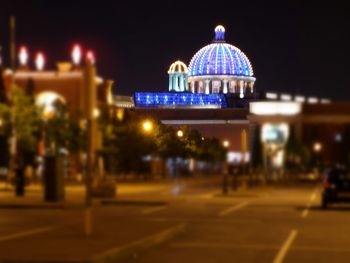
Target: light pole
(244, 146)
(179, 134)
(226, 144)
(317, 147)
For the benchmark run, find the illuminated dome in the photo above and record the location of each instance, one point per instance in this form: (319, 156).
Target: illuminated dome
(220, 58)
(220, 68)
(178, 66)
(178, 77)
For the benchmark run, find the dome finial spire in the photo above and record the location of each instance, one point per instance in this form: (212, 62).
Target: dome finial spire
(219, 33)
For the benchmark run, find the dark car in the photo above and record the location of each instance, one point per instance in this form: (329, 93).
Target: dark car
(336, 186)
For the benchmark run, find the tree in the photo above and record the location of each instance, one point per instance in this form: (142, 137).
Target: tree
(212, 151)
(5, 131)
(3, 96)
(27, 124)
(4, 124)
(125, 144)
(297, 154)
(62, 132)
(170, 145)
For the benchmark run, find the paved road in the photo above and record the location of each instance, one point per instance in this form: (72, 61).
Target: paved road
(277, 224)
(267, 224)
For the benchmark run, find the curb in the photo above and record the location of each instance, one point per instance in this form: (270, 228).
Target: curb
(123, 252)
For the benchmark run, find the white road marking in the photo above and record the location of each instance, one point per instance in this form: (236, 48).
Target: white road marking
(26, 233)
(153, 209)
(233, 209)
(306, 211)
(313, 197)
(285, 247)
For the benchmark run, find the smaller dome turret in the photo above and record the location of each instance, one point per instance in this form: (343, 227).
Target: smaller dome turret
(178, 77)
(178, 66)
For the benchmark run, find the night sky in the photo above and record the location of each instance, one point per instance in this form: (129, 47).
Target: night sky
(293, 47)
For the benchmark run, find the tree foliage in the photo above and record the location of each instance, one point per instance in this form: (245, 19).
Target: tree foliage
(61, 131)
(128, 144)
(27, 121)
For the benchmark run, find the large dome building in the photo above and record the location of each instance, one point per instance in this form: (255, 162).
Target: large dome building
(219, 76)
(220, 68)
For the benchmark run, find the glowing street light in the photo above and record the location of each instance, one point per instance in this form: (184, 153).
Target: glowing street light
(226, 143)
(317, 147)
(180, 133)
(147, 126)
(90, 57)
(96, 113)
(23, 56)
(76, 54)
(40, 61)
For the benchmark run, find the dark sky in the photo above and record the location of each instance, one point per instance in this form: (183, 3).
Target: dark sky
(293, 46)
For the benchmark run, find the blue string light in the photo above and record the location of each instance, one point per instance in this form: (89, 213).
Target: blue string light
(158, 99)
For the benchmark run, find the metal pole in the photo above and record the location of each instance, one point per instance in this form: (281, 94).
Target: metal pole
(244, 151)
(90, 89)
(12, 42)
(88, 181)
(225, 179)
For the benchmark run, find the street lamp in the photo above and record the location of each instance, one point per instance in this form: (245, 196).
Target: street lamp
(180, 133)
(317, 147)
(96, 113)
(226, 143)
(147, 126)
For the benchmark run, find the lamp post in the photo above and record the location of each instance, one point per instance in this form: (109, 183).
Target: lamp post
(244, 146)
(317, 147)
(226, 144)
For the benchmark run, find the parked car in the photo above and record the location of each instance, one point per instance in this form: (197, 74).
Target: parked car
(336, 186)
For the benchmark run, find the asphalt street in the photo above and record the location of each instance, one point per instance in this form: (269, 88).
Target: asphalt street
(279, 223)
